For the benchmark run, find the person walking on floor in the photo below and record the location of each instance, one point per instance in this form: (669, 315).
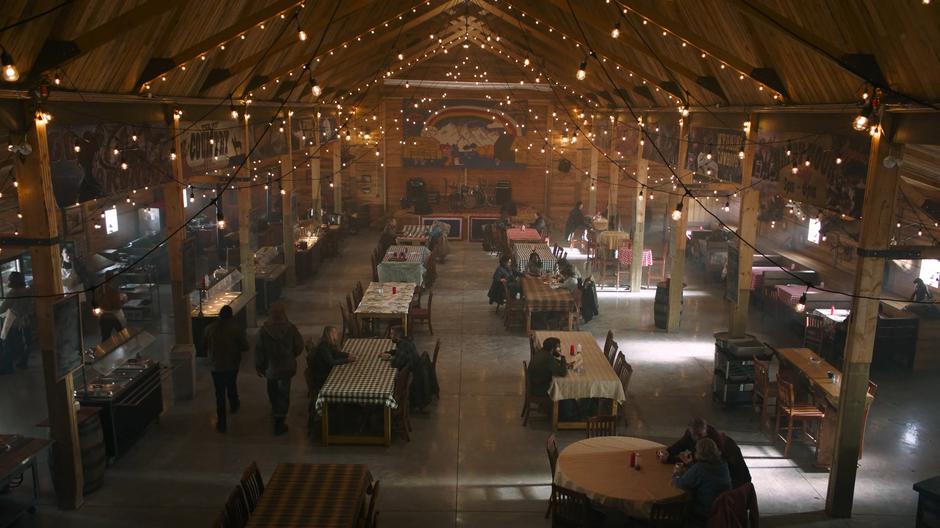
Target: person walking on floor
(225, 341)
(18, 311)
(279, 344)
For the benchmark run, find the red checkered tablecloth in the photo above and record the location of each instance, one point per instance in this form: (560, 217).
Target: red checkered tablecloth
(625, 254)
(517, 234)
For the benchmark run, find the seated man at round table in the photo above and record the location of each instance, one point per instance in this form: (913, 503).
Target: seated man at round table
(683, 450)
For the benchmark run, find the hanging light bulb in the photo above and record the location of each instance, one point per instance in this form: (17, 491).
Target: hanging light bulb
(795, 169)
(582, 71)
(56, 79)
(727, 206)
(401, 56)
(173, 154)
(301, 34)
(860, 123)
(123, 165)
(801, 304)
(640, 196)
(525, 62)
(10, 72)
(741, 153)
(315, 88)
(708, 156)
(192, 195)
(234, 111)
(219, 218)
(615, 33)
(838, 161)
(78, 146)
(677, 214)
(331, 183)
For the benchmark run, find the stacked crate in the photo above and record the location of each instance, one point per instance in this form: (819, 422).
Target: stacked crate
(733, 380)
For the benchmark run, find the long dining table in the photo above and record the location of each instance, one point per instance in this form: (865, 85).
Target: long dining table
(597, 379)
(386, 300)
(312, 496)
(540, 296)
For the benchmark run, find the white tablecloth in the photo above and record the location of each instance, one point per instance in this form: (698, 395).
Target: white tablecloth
(598, 379)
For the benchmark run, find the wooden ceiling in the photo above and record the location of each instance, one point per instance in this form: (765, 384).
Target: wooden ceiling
(702, 52)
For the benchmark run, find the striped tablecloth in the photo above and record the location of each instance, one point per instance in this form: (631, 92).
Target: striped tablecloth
(409, 270)
(540, 297)
(379, 299)
(413, 235)
(523, 251)
(312, 495)
(518, 234)
(598, 380)
(368, 380)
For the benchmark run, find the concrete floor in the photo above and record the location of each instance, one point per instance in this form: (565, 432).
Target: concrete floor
(470, 461)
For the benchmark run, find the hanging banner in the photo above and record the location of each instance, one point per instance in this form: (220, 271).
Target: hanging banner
(95, 171)
(211, 147)
(834, 179)
(463, 133)
(713, 154)
(665, 137)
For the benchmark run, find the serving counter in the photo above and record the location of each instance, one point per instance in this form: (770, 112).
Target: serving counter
(208, 303)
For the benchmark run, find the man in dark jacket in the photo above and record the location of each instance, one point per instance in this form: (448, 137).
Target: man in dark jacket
(682, 449)
(546, 363)
(225, 342)
(279, 344)
(405, 353)
(326, 355)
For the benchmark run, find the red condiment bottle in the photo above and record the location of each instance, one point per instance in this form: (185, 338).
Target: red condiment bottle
(394, 290)
(633, 459)
(571, 350)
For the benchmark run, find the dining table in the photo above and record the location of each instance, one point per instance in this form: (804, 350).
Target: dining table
(386, 300)
(599, 467)
(541, 296)
(403, 263)
(368, 381)
(595, 379)
(312, 496)
(18, 455)
(523, 234)
(612, 239)
(523, 252)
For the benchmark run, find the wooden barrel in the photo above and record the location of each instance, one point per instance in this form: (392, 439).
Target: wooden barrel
(661, 305)
(94, 457)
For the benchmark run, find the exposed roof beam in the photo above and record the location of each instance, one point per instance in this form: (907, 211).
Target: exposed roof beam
(367, 49)
(158, 66)
(57, 53)
(652, 12)
(320, 18)
(862, 65)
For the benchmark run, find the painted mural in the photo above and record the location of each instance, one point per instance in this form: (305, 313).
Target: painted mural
(713, 154)
(471, 134)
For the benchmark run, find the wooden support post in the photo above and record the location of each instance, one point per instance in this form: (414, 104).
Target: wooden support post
(592, 185)
(881, 189)
(338, 174)
(287, 204)
(384, 159)
(38, 207)
(246, 256)
(640, 197)
(747, 229)
(315, 184)
(174, 192)
(677, 256)
(613, 178)
(548, 163)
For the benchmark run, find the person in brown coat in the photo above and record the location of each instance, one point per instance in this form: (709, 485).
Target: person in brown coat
(225, 342)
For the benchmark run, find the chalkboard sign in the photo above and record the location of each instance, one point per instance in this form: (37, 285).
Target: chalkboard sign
(67, 322)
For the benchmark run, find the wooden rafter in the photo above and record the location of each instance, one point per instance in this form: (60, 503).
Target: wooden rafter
(862, 65)
(764, 75)
(366, 51)
(158, 66)
(57, 53)
(320, 18)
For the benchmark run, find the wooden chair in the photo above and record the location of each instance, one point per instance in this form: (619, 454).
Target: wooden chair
(421, 315)
(590, 247)
(551, 447)
(358, 292)
(574, 318)
(619, 364)
(671, 514)
(514, 314)
(253, 486)
(369, 521)
(402, 414)
(529, 399)
(350, 323)
(788, 407)
(349, 304)
(813, 333)
(430, 274)
(570, 509)
(601, 426)
(764, 389)
(375, 270)
(236, 510)
(625, 374)
(608, 340)
(612, 353)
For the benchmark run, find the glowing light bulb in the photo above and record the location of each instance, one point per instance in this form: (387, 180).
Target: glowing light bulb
(860, 123)
(582, 73)
(615, 33)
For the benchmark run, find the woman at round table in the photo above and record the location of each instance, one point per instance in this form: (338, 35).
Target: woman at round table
(705, 479)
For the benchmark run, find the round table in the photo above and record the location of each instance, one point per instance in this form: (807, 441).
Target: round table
(600, 468)
(612, 240)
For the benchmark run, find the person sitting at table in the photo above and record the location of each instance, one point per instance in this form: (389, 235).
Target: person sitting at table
(682, 450)
(322, 358)
(569, 279)
(540, 224)
(706, 479)
(387, 238)
(546, 363)
(405, 354)
(504, 272)
(435, 234)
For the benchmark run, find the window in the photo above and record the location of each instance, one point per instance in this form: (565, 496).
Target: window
(814, 226)
(930, 272)
(110, 220)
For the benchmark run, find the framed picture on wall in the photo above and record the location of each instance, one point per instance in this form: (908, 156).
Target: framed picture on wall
(477, 223)
(455, 223)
